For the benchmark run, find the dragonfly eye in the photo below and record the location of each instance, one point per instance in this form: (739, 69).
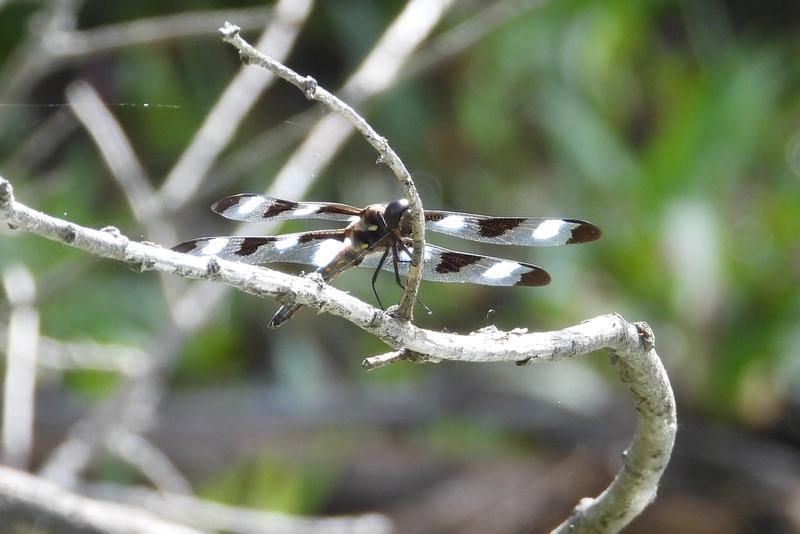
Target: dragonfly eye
(394, 211)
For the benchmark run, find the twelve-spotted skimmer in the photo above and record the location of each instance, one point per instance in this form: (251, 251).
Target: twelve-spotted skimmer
(380, 230)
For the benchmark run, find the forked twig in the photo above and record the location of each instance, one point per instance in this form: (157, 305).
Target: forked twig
(312, 91)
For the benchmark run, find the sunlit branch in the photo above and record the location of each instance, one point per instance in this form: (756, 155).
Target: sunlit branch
(632, 347)
(313, 91)
(308, 162)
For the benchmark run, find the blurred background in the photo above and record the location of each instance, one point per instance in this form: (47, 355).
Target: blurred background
(672, 125)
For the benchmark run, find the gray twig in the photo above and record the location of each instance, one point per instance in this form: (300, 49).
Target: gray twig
(313, 91)
(233, 105)
(217, 517)
(134, 404)
(150, 461)
(308, 162)
(30, 504)
(637, 362)
(20, 376)
(403, 355)
(120, 158)
(87, 355)
(56, 41)
(76, 44)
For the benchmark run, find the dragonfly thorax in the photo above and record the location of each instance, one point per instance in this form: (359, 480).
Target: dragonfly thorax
(371, 229)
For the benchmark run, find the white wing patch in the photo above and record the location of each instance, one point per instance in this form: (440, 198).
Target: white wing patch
(248, 207)
(306, 210)
(214, 246)
(451, 222)
(286, 242)
(503, 269)
(328, 250)
(548, 229)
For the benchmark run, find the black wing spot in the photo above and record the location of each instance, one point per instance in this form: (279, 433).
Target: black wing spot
(220, 206)
(337, 209)
(278, 206)
(535, 277)
(251, 244)
(497, 226)
(186, 247)
(453, 262)
(584, 232)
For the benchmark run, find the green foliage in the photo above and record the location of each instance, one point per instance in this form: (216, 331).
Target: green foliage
(625, 113)
(270, 484)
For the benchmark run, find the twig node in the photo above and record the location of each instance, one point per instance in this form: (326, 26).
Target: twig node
(246, 58)
(113, 230)
(646, 335)
(213, 267)
(67, 233)
(310, 87)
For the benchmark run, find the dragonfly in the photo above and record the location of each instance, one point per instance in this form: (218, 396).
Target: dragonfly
(378, 236)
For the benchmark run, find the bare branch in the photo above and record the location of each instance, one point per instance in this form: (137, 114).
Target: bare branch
(393, 49)
(125, 167)
(30, 61)
(28, 503)
(88, 355)
(635, 357)
(467, 33)
(154, 464)
(211, 516)
(155, 29)
(20, 379)
(41, 143)
(312, 91)
(55, 42)
(378, 70)
(317, 150)
(132, 407)
(120, 158)
(382, 360)
(239, 97)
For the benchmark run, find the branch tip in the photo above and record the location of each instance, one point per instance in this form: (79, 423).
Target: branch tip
(229, 31)
(382, 360)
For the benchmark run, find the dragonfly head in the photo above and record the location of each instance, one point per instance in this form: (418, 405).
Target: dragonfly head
(394, 212)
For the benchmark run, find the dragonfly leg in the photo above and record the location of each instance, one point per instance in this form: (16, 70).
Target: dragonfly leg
(375, 275)
(283, 314)
(400, 283)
